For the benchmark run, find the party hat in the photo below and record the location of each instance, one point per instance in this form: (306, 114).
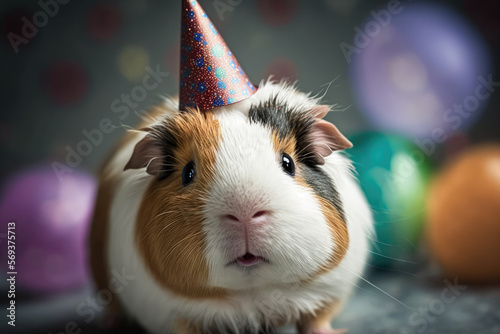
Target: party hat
(210, 75)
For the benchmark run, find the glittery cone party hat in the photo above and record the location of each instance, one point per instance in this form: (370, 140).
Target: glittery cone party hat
(210, 75)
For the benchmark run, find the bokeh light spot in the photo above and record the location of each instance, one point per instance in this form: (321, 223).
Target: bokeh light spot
(132, 62)
(277, 12)
(66, 82)
(103, 22)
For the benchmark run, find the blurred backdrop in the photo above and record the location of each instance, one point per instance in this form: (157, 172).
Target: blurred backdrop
(415, 84)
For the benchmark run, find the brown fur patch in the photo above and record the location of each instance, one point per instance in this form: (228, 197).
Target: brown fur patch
(338, 227)
(338, 230)
(98, 237)
(169, 222)
(99, 231)
(284, 145)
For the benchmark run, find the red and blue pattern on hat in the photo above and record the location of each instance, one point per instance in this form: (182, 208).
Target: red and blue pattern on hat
(210, 75)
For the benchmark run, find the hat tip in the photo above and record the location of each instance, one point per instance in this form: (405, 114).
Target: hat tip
(210, 75)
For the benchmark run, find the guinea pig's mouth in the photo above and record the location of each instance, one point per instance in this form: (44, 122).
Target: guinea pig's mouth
(248, 260)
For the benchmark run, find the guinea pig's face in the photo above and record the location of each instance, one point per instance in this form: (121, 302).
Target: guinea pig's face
(239, 198)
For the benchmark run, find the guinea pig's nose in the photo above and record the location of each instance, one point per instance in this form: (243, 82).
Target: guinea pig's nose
(258, 217)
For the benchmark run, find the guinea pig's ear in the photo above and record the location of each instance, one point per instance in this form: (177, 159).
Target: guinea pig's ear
(147, 154)
(320, 111)
(324, 136)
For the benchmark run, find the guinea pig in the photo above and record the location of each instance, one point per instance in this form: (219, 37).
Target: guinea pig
(240, 219)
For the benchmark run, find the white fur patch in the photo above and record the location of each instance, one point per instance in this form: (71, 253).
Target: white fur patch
(248, 173)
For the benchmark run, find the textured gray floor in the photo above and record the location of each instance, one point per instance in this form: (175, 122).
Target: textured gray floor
(404, 303)
(394, 303)
(468, 310)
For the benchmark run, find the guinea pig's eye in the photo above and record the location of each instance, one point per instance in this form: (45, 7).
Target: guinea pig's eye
(287, 164)
(188, 173)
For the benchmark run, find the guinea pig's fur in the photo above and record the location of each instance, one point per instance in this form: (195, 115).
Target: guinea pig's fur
(180, 242)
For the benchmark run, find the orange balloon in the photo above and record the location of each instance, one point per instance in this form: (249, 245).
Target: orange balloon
(463, 225)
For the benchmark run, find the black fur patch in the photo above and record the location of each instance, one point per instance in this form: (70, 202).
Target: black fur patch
(287, 121)
(324, 187)
(164, 135)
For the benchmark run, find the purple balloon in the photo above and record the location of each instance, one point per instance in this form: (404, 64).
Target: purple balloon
(411, 74)
(51, 225)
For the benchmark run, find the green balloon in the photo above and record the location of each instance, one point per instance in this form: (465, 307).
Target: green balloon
(394, 175)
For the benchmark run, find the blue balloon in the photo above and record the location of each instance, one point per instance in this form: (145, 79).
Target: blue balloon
(394, 176)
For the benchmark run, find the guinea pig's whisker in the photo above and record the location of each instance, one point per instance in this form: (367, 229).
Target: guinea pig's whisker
(304, 149)
(397, 271)
(388, 257)
(175, 316)
(392, 258)
(168, 225)
(327, 84)
(374, 239)
(127, 127)
(133, 130)
(379, 289)
(188, 255)
(152, 159)
(352, 283)
(158, 215)
(164, 164)
(390, 245)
